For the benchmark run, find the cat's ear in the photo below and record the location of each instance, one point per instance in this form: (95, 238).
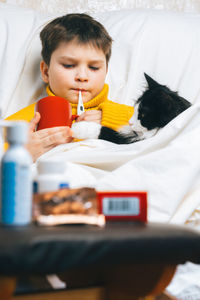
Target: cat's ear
(151, 82)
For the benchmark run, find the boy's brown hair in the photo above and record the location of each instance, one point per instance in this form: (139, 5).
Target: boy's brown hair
(81, 27)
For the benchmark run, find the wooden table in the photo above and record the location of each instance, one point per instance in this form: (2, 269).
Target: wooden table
(120, 261)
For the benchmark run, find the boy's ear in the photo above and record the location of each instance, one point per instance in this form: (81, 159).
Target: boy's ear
(106, 67)
(44, 71)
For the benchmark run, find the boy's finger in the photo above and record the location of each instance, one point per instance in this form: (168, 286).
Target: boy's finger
(34, 121)
(55, 139)
(89, 115)
(81, 117)
(51, 131)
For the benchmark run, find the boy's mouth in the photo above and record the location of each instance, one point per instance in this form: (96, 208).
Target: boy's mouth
(82, 90)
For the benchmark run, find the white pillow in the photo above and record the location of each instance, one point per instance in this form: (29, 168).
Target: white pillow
(165, 45)
(19, 56)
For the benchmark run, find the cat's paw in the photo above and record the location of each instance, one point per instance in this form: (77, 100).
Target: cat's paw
(86, 130)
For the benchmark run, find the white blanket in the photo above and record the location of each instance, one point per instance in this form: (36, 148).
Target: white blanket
(166, 165)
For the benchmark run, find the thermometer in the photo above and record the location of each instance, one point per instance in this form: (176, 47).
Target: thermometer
(80, 107)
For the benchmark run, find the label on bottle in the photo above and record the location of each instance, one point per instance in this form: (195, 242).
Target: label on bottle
(16, 194)
(48, 186)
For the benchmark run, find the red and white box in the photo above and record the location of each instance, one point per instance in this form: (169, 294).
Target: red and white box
(121, 205)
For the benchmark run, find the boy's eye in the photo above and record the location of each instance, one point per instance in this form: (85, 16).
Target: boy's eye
(68, 66)
(94, 68)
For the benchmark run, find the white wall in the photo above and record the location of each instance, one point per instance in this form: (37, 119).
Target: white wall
(67, 6)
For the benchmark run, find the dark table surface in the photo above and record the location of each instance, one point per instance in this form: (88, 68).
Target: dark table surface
(45, 250)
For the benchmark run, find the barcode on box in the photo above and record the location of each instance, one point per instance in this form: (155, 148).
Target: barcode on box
(121, 206)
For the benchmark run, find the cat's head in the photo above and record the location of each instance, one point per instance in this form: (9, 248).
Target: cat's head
(158, 105)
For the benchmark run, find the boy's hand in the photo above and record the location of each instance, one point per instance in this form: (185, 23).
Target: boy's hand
(43, 140)
(91, 116)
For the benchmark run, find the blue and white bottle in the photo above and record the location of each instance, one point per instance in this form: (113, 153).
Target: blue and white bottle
(16, 179)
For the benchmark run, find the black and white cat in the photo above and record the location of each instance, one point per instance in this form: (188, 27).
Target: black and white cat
(157, 106)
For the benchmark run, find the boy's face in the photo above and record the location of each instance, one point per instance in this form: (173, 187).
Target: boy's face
(75, 67)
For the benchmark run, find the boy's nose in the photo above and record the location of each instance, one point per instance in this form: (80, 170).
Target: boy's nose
(82, 75)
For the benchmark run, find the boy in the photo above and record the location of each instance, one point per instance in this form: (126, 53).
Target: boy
(76, 50)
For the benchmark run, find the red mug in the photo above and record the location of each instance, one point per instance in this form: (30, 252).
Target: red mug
(54, 111)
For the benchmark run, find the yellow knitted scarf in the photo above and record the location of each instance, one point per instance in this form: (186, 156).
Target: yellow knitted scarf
(114, 115)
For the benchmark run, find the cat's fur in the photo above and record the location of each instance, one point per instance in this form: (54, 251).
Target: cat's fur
(157, 106)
